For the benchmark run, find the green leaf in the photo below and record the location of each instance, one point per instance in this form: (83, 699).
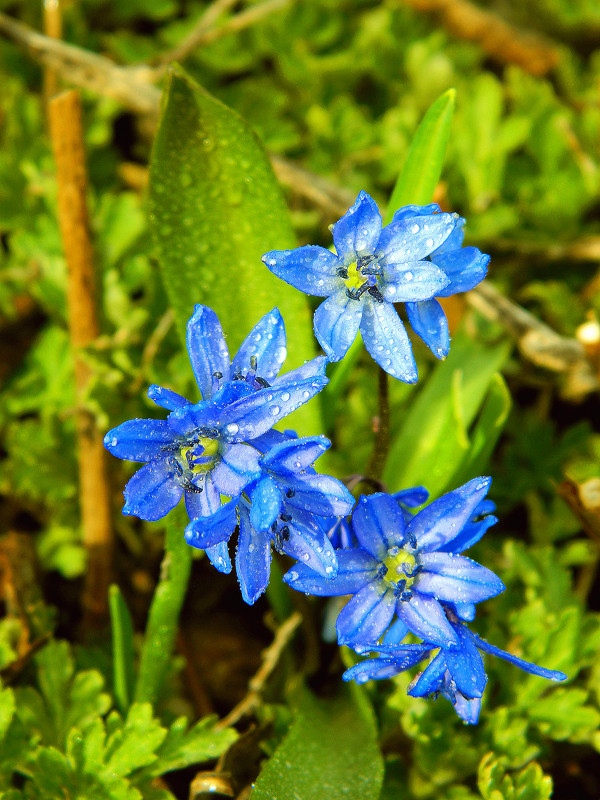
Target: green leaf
(164, 612)
(134, 745)
(122, 649)
(330, 751)
(66, 698)
(423, 165)
(528, 784)
(215, 209)
(487, 429)
(183, 747)
(433, 444)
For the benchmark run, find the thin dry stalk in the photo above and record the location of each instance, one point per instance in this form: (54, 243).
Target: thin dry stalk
(53, 29)
(64, 113)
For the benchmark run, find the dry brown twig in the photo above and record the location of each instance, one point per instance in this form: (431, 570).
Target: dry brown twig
(270, 659)
(537, 342)
(66, 133)
(499, 40)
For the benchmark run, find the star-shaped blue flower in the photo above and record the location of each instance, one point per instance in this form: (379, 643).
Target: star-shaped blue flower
(286, 505)
(374, 267)
(212, 448)
(458, 674)
(407, 568)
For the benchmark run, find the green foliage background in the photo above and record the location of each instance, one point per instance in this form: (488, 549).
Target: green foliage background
(338, 88)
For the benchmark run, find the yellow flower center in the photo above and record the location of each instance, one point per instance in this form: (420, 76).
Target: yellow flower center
(400, 566)
(354, 280)
(189, 453)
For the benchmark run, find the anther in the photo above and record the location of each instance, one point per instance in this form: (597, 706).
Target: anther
(262, 382)
(218, 375)
(355, 294)
(342, 272)
(381, 572)
(406, 596)
(285, 533)
(286, 517)
(412, 540)
(399, 588)
(253, 362)
(375, 293)
(290, 493)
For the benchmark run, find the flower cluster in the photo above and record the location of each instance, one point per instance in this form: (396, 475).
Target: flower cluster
(224, 448)
(405, 575)
(403, 571)
(416, 258)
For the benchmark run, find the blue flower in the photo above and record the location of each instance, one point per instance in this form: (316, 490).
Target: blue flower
(458, 674)
(208, 449)
(407, 568)
(286, 505)
(464, 266)
(374, 267)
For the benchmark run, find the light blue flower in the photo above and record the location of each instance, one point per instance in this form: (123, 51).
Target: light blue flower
(208, 449)
(407, 568)
(374, 268)
(285, 506)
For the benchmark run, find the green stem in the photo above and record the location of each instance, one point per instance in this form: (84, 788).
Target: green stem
(164, 613)
(382, 436)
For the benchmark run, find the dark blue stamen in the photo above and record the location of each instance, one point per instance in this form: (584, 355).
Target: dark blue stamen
(356, 294)
(262, 382)
(290, 493)
(373, 271)
(364, 261)
(381, 572)
(375, 294)
(399, 588)
(406, 596)
(412, 539)
(342, 272)
(286, 517)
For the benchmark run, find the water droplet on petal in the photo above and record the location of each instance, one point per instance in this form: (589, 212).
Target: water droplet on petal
(274, 410)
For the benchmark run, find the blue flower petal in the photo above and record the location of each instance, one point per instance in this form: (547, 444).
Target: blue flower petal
(165, 398)
(396, 633)
(451, 578)
(378, 524)
(252, 560)
(413, 239)
(295, 455)
(413, 497)
(204, 532)
(430, 680)
(357, 232)
(151, 492)
(205, 502)
(207, 349)
(252, 416)
(386, 666)
(465, 611)
(309, 544)
(407, 212)
(467, 710)
(386, 340)
(319, 494)
(310, 269)
(336, 324)
(218, 556)
(267, 343)
(465, 268)
(366, 615)
(526, 666)
(442, 521)
(465, 665)
(470, 535)
(429, 322)
(453, 242)
(266, 503)
(139, 439)
(355, 569)
(424, 616)
(237, 468)
(315, 368)
(413, 282)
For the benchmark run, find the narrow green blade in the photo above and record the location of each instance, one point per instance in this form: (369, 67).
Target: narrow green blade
(423, 166)
(122, 649)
